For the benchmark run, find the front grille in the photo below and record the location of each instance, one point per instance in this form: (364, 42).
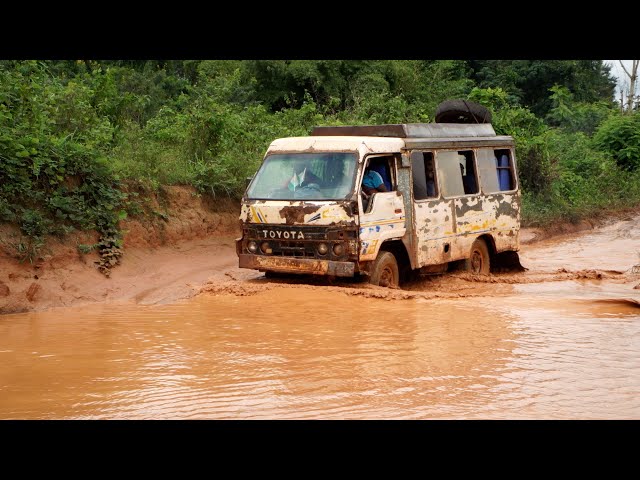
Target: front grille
(310, 233)
(281, 246)
(293, 249)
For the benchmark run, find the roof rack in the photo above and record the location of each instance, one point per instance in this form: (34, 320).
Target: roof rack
(408, 130)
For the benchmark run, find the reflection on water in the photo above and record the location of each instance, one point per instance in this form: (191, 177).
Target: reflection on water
(292, 353)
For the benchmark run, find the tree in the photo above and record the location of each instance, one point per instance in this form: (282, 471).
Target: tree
(633, 78)
(527, 82)
(576, 116)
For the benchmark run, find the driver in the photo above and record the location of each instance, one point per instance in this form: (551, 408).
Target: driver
(301, 175)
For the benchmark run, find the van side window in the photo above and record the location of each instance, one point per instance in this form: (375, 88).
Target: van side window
(487, 163)
(384, 166)
(424, 176)
(505, 170)
(448, 168)
(496, 170)
(468, 171)
(457, 173)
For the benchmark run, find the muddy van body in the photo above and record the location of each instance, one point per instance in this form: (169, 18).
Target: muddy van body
(452, 195)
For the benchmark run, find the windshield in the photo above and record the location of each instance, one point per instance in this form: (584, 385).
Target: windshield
(308, 176)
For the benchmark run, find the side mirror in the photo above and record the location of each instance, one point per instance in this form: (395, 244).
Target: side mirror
(247, 181)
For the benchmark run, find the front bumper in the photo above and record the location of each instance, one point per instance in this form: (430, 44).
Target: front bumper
(297, 265)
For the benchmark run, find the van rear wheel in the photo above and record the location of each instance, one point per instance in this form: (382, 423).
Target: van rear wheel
(385, 271)
(479, 260)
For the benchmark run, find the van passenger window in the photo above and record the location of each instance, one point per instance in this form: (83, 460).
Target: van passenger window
(496, 172)
(487, 163)
(468, 171)
(424, 177)
(383, 166)
(505, 172)
(448, 168)
(457, 173)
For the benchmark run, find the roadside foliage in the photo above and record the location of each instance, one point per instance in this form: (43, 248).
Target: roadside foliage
(80, 140)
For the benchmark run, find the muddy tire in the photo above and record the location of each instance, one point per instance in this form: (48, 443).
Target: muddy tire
(479, 262)
(385, 271)
(462, 111)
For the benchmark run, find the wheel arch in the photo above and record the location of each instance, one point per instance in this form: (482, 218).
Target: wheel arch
(490, 242)
(398, 249)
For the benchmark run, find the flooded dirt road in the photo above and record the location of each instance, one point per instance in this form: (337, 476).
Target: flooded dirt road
(560, 341)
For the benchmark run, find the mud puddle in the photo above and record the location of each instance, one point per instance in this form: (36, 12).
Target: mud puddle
(561, 340)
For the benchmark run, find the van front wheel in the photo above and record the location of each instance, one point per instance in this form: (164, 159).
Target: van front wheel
(385, 270)
(479, 260)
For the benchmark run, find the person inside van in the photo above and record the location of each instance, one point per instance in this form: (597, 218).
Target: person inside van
(380, 165)
(431, 184)
(301, 176)
(430, 177)
(468, 181)
(372, 182)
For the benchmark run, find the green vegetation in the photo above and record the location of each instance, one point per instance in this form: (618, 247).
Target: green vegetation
(78, 137)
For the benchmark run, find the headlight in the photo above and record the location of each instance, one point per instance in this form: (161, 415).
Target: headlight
(323, 248)
(252, 246)
(338, 249)
(264, 246)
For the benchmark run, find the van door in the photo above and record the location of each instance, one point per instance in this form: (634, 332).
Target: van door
(471, 214)
(433, 217)
(382, 216)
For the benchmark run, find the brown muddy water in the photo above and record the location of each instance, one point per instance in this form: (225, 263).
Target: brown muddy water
(551, 344)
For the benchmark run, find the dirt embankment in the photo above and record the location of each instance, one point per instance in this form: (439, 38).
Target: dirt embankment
(185, 244)
(183, 238)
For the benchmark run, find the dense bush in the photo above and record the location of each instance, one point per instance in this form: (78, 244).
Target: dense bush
(54, 176)
(619, 137)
